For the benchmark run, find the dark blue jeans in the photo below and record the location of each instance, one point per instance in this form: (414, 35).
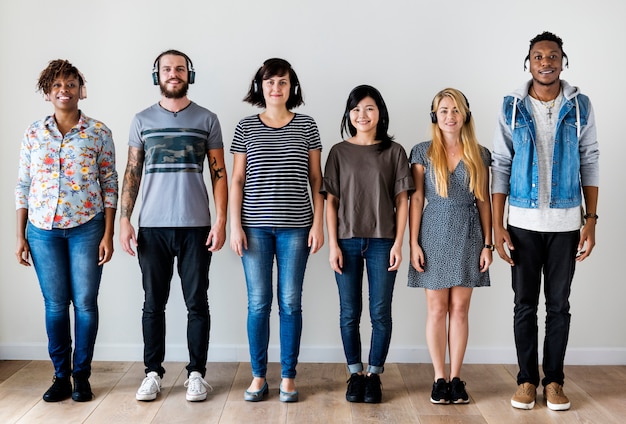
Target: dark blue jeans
(289, 247)
(554, 255)
(374, 254)
(66, 263)
(157, 248)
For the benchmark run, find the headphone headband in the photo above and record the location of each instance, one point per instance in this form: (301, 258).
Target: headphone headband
(191, 73)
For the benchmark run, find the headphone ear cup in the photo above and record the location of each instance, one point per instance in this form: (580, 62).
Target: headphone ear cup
(433, 117)
(155, 77)
(255, 86)
(192, 76)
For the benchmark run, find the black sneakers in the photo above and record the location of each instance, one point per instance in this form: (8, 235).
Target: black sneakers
(356, 388)
(61, 389)
(441, 392)
(373, 389)
(457, 391)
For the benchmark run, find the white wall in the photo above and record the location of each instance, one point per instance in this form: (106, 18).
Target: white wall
(407, 49)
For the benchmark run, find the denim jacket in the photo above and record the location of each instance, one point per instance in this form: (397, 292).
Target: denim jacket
(575, 162)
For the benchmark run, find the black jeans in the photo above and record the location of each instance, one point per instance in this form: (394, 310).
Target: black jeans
(157, 248)
(554, 254)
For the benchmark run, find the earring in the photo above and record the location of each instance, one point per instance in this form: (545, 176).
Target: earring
(256, 87)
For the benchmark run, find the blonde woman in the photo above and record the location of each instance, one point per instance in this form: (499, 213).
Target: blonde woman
(450, 238)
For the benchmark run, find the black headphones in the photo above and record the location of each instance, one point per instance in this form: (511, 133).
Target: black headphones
(191, 73)
(433, 114)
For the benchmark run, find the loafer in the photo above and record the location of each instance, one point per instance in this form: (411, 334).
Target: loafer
(257, 396)
(82, 390)
(61, 389)
(287, 396)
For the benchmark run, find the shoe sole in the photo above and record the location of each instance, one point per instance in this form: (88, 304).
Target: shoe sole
(559, 406)
(439, 402)
(196, 398)
(520, 405)
(460, 401)
(145, 398)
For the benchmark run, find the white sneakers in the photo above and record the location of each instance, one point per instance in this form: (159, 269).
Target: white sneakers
(196, 387)
(150, 386)
(195, 384)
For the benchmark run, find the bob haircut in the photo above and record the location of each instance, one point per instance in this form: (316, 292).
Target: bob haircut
(58, 68)
(272, 68)
(356, 95)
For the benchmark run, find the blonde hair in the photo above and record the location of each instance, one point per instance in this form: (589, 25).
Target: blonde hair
(470, 156)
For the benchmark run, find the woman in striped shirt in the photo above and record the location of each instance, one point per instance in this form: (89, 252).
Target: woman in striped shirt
(277, 156)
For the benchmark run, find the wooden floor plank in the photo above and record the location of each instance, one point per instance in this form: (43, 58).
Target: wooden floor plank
(595, 393)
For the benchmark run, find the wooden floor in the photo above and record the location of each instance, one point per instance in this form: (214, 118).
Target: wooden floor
(597, 394)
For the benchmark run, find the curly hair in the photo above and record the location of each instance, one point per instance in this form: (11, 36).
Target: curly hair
(58, 68)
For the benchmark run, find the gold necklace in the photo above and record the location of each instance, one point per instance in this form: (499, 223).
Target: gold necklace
(548, 105)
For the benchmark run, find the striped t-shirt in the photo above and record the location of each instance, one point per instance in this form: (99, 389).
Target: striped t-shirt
(276, 190)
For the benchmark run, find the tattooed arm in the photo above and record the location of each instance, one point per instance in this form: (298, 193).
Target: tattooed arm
(130, 190)
(217, 236)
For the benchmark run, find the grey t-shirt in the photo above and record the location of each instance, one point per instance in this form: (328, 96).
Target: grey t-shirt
(175, 146)
(366, 182)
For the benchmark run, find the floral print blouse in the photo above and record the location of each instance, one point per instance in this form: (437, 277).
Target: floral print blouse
(64, 181)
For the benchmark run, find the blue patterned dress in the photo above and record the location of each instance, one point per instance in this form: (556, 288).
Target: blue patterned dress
(450, 234)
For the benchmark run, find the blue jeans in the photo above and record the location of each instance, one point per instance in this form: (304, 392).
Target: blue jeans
(374, 253)
(554, 255)
(289, 246)
(157, 248)
(66, 263)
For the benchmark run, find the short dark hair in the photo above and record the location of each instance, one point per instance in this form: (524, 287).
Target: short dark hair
(545, 36)
(55, 69)
(271, 68)
(356, 95)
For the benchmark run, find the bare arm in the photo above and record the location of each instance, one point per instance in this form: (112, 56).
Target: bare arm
(416, 208)
(105, 249)
(219, 181)
(335, 256)
(238, 241)
(316, 235)
(22, 250)
(484, 212)
(500, 234)
(402, 212)
(588, 232)
(130, 190)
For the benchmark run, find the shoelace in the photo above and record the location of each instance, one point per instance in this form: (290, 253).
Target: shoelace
(148, 383)
(195, 384)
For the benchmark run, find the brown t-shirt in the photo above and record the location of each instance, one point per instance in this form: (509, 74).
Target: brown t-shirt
(366, 183)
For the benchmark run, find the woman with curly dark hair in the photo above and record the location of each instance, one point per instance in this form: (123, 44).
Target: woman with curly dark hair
(66, 198)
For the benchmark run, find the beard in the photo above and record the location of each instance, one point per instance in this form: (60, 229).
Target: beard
(174, 94)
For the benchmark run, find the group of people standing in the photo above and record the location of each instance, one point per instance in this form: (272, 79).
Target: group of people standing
(545, 161)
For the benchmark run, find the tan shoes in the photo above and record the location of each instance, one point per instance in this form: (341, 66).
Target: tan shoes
(526, 394)
(555, 398)
(524, 397)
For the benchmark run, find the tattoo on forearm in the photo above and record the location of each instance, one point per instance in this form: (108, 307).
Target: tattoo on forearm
(132, 180)
(216, 171)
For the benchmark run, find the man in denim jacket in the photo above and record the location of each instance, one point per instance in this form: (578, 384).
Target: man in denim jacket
(545, 159)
